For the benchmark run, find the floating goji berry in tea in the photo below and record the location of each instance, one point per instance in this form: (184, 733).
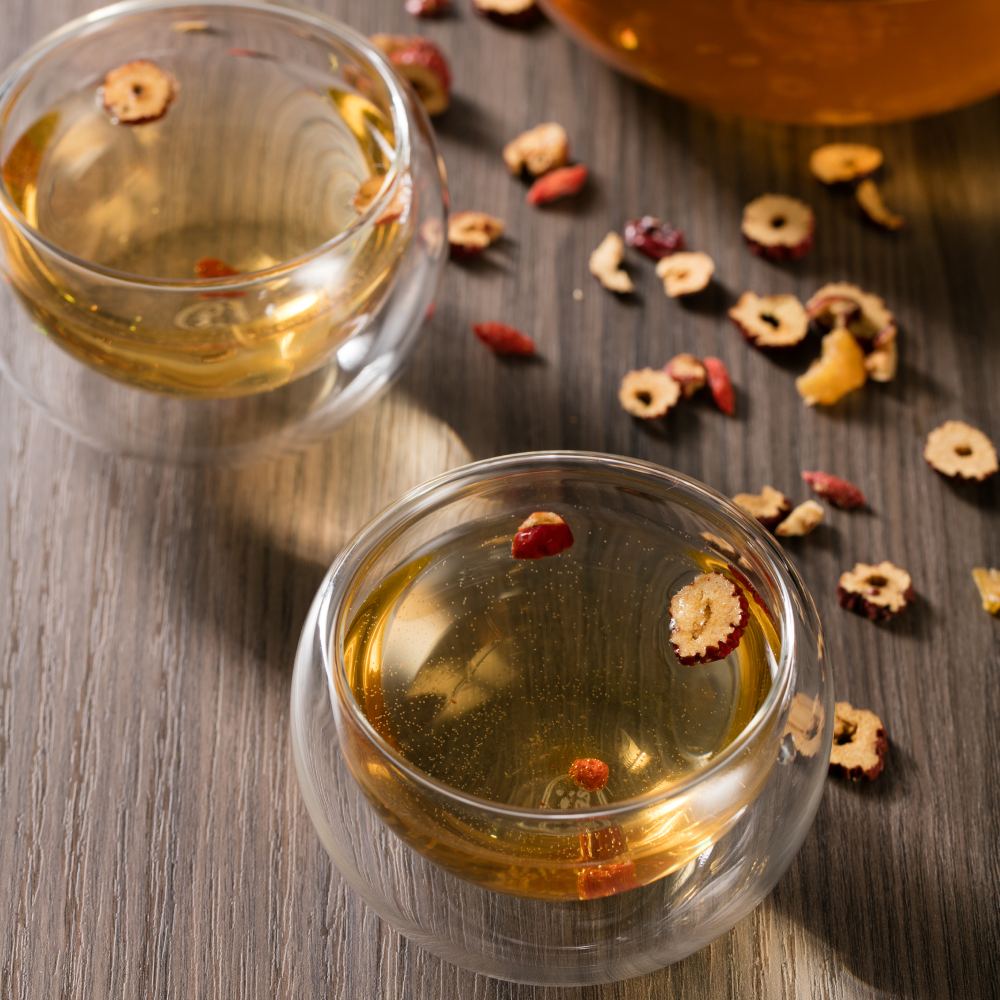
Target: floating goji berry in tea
(589, 773)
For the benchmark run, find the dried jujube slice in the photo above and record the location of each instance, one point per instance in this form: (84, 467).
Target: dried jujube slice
(859, 743)
(882, 591)
(537, 151)
(841, 304)
(803, 519)
(653, 238)
(423, 64)
(843, 162)
(778, 226)
(769, 506)
(882, 360)
(871, 202)
(837, 491)
(427, 8)
(988, 583)
(707, 619)
(648, 394)
(541, 534)
(960, 451)
(138, 92)
(685, 273)
(605, 265)
(688, 371)
(509, 13)
(589, 773)
(770, 320)
(470, 233)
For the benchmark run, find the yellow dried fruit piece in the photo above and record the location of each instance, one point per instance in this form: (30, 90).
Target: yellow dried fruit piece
(838, 370)
(841, 162)
(605, 265)
(869, 197)
(801, 521)
(988, 582)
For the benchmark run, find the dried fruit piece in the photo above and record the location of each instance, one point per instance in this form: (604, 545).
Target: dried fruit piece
(839, 369)
(541, 534)
(988, 582)
(837, 491)
(842, 162)
(841, 304)
(654, 238)
(648, 394)
(869, 197)
(470, 233)
(605, 264)
(189, 27)
(689, 371)
(959, 451)
(560, 183)
(398, 207)
(589, 773)
(883, 359)
(801, 521)
(509, 13)
(503, 339)
(537, 151)
(421, 62)
(427, 8)
(769, 506)
(707, 619)
(770, 320)
(779, 227)
(212, 267)
(604, 844)
(720, 385)
(606, 880)
(881, 591)
(805, 724)
(685, 273)
(138, 92)
(859, 743)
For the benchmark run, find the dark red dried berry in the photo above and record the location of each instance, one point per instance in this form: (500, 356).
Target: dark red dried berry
(720, 385)
(589, 773)
(559, 183)
(503, 339)
(654, 238)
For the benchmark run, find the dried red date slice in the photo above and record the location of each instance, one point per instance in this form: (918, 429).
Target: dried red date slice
(779, 227)
(769, 506)
(843, 305)
(720, 385)
(881, 591)
(883, 359)
(859, 743)
(421, 62)
(654, 238)
(988, 584)
(503, 339)
(770, 320)
(837, 491)
(707, 619)
(959, 451)
(871, 202)
(540, 535)
(138, 93)
(397, 209)
(537, 151)
(689, 371)
(470, 233)
(605, 265)
(685, 273)
(803, 519)
(509, 13)
(843, 162)
(427, 8)
(589, 773)
(597, 881)
(648, 394)
(561, 183)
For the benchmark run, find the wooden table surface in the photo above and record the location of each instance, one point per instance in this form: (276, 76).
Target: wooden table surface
(153, 841)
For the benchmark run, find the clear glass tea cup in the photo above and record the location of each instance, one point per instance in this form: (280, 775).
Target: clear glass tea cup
(508, 889)
(201, 285)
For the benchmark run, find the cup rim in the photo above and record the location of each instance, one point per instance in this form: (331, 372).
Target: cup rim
(14, 74)
(351, 563)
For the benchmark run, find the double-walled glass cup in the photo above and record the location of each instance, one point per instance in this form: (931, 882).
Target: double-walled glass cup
(206, 284)
(502, 888)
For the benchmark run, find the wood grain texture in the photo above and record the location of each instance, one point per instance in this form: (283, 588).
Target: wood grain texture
(152, 839)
